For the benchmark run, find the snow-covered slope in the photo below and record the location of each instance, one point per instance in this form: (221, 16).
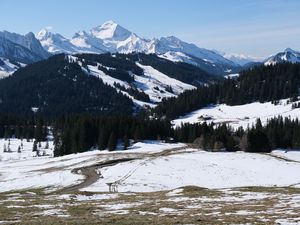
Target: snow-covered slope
(28, 41)
(156, 84)
(167, 44)
(288, 55)
(152, 82)
(24, 170)
(55, 43)
(242, 59)
(150, 171)
(240, 115)
(7, 67)
(199, 168)
(111, 37)
(17, 50)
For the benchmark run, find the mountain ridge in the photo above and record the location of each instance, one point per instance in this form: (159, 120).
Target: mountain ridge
(112, 37)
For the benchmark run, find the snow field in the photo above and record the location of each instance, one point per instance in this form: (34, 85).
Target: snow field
(199, 168)
(240, 115)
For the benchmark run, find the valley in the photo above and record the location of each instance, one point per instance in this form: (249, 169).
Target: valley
(184, 113)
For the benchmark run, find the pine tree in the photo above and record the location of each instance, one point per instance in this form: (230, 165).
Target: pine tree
(126, 142)
(8, 146)
(102, 140)
(112, 142)
(47, 145)
(34, 148)
(137, 134)
(38, 131)
(6, 132)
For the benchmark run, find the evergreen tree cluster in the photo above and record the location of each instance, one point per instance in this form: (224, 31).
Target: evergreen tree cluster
(262, 83)
(120, 62)
(23, 128)
(277, 133)
(82, 133)
(134, 92)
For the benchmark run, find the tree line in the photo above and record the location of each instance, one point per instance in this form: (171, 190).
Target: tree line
(74, 134)
(23, 128)
(262, 83)
(80, 133)
(278, 132)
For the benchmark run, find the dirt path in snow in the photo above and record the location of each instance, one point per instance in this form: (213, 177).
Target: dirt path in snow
(148, 158)
(91, 174)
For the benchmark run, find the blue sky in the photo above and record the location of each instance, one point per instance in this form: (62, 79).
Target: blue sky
(255, 27)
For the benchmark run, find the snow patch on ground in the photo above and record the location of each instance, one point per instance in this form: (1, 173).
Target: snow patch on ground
(203, 169)
(24, 171)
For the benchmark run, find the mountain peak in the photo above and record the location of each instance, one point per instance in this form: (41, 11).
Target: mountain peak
(42, 34)
(111, 30)
(109, 23)
(289, 55)
(290, 50)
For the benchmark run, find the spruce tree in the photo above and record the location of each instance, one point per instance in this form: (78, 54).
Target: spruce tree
(38, 132)
(34, 147)
(112, 142)
(126, 142)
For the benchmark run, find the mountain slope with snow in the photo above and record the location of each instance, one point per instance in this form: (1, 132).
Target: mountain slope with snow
(102, 83)
(288, 55)
(7, 67)
(140, 76)
(240, 115)
(242, 59)
(17, 50)
(113, 38)
(28, 41)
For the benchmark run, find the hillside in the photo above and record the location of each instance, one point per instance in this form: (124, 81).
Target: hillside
(260, 84)
(107, 83)
(55, 86)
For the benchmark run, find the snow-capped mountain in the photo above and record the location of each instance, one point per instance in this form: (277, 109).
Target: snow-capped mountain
(55, 43)
(167, 44)
(27, 41)
(288, 55)
(17, 50)
(242, 59)
(111, 37)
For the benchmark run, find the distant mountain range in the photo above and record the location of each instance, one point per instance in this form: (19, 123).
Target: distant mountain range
(111, 37)
(18, 50)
